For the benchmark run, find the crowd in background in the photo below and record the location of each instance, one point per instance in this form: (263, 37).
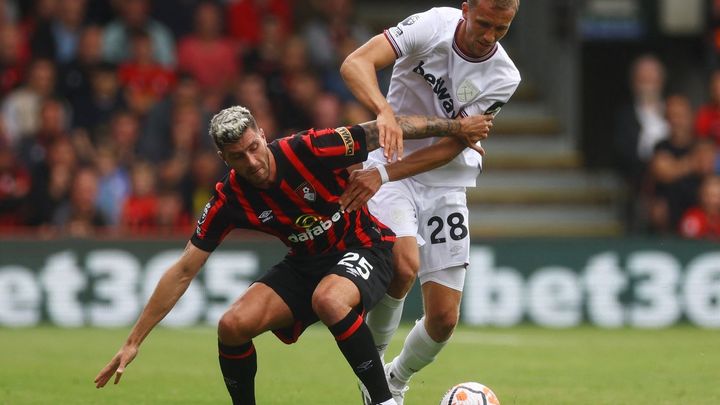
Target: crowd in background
(669, 155)
(104, 104)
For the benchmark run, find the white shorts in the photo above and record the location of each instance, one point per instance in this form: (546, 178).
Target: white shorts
(437, 217)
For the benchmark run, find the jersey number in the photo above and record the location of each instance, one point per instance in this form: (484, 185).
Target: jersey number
(356, 265)
(455, 221)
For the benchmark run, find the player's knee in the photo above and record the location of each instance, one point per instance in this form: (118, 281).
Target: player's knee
(441, 324)
(327, 306)
(235, 329)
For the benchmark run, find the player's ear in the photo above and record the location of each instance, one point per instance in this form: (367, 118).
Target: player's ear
(262, 134)
(465, 7)
(222, 157)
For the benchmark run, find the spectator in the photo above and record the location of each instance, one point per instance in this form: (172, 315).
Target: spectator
(58, 37)
(145, 81)
(209, 56)
(93, 112)
(53, 125)
(675, 168)
(123, 137)
(74, 79)
(79, 216)
(15, 183)
(639, 125)
(703, 221)
(707, 122)
(173, 218)
(334, 33)
(14, 56)
(139, 211)
(246, 17)
(135, 16)
(327, 111)
(21, 108)
(113, 184)
(158, 122)
(51, 181)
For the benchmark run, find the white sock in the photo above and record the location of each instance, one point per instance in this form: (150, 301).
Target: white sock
(383, 321)
(389, 402)
(418, 351)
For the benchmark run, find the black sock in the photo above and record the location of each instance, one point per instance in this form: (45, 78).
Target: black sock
(239, 366)
(357, 345)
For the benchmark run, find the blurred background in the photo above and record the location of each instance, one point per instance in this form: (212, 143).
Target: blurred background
(599, 201)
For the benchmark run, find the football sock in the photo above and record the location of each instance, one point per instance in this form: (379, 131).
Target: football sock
(383, 321)
(239, 366)
(355, 342)
(418, 351)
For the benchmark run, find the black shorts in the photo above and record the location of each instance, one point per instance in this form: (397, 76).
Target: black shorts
(295, 280)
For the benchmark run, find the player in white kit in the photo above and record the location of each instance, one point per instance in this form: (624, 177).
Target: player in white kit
(448, 63)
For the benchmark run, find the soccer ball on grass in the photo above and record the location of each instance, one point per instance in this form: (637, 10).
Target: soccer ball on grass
(470, 393)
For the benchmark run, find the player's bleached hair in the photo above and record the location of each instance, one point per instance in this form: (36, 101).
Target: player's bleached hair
(501, 4)
(229, 125)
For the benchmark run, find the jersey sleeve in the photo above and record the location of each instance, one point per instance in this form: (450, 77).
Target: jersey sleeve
(215, 222)
(337, 148)
(414, 34)
(493, 101)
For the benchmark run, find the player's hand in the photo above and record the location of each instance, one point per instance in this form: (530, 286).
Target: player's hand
(116, 366)
(363, 184)
(474, 129)
(390, 135)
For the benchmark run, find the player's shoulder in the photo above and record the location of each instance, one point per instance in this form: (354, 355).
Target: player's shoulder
(438, 17)
(502, 68)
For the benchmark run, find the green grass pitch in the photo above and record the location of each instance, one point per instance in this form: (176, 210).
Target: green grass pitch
(524, 365)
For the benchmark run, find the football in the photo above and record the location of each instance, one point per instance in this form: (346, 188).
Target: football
(470, 393)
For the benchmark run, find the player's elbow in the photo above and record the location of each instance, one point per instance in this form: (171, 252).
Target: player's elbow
(347, 67)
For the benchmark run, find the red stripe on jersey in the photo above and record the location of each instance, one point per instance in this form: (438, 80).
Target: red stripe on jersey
(249, 211)
(304, 172)
(284, 219)
(213, 210)
(352, 329)
(360, 231)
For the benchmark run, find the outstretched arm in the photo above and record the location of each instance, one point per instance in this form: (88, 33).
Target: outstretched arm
(359, 72)
(363, 184)
(468, 130)
(168, 291)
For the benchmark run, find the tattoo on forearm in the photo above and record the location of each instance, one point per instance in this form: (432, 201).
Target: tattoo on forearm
(422, 127)
(413, 127)
(372, 135)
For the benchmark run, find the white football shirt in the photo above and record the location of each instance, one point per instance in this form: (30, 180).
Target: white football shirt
(432, 76)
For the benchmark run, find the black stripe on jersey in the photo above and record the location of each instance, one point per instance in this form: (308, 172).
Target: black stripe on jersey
(249, 208)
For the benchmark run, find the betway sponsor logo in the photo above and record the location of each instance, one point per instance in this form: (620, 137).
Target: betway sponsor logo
(314, 228)
(439, 88)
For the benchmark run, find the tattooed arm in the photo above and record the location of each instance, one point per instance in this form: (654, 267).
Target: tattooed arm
(468, 130)
(460, 133)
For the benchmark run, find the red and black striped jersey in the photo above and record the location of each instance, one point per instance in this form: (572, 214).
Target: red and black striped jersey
(301, 208)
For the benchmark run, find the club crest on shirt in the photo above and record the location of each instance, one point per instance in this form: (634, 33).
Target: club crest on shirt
(306, 191)
(467, 91)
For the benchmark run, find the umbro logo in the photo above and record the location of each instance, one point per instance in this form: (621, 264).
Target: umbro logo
(265, 216)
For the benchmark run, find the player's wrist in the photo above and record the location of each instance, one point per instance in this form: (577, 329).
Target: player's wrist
(384, 178)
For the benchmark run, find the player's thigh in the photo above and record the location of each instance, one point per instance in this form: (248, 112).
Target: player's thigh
(260, 309)
(369, 270)
(394, 205)
(443, 224)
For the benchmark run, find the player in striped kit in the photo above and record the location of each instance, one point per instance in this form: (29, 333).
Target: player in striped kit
(447, 63)
(339, 263)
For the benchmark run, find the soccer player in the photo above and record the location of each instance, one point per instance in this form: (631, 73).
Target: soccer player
(339, 263)
(447, 63)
